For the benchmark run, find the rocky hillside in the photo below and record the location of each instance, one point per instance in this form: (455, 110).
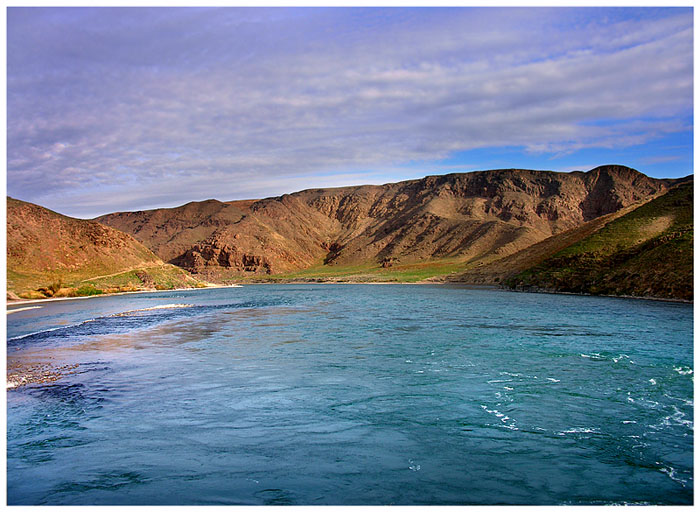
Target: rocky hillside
(48, 252)
(497, 271)
(471, 218)
(648, 252)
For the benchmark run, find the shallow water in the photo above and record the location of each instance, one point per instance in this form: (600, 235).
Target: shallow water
(350, 394)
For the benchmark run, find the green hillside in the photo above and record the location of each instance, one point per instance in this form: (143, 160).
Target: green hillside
(646, 253)
(52, 255)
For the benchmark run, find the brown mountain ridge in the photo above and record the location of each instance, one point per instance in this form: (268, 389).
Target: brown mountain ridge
(49, 254)
(471, 218)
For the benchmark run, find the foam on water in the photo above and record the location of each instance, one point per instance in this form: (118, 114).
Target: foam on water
(672, 474)
(154, 308)
(45, 331)
(579, 430)
(17, 310)
(70, 329)
(683, 370)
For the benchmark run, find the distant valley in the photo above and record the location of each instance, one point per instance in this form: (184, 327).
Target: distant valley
(488, 227)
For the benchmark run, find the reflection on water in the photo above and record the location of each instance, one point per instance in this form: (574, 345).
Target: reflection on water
(350, 395)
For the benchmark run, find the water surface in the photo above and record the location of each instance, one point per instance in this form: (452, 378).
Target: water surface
(350, 394)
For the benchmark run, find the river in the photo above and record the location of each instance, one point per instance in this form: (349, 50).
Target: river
(350, 395)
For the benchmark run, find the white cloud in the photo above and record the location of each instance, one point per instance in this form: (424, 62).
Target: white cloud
(158, 106)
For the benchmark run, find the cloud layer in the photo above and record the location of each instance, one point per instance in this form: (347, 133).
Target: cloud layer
(112, 109)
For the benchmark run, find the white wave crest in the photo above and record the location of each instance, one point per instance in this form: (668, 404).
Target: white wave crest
(683, 370)
(9, 311)
(153, 308)
(123, 313)
(22, 336)
(595, 356)
(672, 474)
(579, 430)
(506, 421)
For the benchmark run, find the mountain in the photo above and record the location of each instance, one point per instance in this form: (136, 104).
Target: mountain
(647, 252)
(462, 218)
(50, 254)
(495, 272)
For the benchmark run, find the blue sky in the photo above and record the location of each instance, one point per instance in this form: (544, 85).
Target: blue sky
(113, 109)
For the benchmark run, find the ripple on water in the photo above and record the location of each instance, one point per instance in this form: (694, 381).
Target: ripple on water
(459, 403)
(275, 497)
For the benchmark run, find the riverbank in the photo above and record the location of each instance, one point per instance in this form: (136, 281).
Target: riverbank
(354, 282)
(54, 299)
(433, 281)
(557, 292)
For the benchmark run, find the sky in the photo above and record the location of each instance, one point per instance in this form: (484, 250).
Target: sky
(116, 109)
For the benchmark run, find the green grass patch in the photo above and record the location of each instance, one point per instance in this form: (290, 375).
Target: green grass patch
(127, 278)
(43, 285)
(397, 273)
(627, 230)
(624, 259)
(87, 291)
(164, 277)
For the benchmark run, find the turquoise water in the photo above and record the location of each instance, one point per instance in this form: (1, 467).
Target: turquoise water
(350, 394)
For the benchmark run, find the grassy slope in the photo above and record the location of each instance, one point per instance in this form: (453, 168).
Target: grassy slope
(647, 253)
(498, 270)
(49, 254)
(38, 285)
(398, 273)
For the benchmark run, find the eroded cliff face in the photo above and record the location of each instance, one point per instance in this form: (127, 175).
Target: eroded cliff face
(220, 254)
(472, 216)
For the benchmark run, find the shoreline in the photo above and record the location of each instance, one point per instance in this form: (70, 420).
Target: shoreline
(9, 303)
(555, 292)
(56, 299)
